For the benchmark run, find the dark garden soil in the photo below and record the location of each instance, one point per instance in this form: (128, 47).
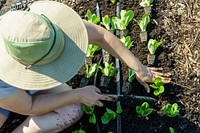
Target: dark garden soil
(177, 24)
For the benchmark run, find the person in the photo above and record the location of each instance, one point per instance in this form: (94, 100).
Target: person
(43, 48)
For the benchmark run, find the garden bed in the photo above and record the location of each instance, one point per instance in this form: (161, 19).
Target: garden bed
(177, 23)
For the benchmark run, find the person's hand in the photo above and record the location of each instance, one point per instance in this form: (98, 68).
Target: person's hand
(91, 95)
(148, 74)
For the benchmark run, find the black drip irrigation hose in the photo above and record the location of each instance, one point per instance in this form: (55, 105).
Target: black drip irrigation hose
(117, 62)
(95, 76)
(94, 82)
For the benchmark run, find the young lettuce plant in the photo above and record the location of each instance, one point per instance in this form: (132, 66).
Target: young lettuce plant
(158, 86)
(92, 17)
(144, 110)
(90, 71)
(171, 130)
(122, 22)
(108, 72)
(108, 24)
(152, 47)
(127, 41)
(113, 1)
(92, 49)
(79, 131)
(126, 17)
(147, 4)
(131, 74)
(143, 26)
(90, 111)
(127, 87)
(90, 53)
(171, 110)
(110, 114)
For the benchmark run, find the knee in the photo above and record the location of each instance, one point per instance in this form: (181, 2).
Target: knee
(4, 114)
(3, 119)
(70, 114)
(75, 113)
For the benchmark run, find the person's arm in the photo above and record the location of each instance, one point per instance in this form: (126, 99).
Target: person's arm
(109, 42)
(22, 103)
(103, 38)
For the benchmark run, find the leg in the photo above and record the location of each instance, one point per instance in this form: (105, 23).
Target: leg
(3, 116)
(51, 122)
(54, 121)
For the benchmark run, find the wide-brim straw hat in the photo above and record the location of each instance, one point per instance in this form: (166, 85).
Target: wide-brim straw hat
(28, 33)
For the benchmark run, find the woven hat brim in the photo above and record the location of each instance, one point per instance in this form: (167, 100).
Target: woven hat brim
(62, 69)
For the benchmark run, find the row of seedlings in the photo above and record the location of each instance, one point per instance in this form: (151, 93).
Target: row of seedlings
(143, 110)
(106, 80)
(91, 68)
(90, 73)
(108, 72)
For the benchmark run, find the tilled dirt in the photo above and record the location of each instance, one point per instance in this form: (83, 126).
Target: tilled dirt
(177, 24)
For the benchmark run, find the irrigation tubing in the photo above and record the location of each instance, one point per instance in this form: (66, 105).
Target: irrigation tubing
(95, 77)
(99, 15)
(117, 63)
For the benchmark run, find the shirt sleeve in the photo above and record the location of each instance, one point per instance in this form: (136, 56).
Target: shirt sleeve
(6, 89)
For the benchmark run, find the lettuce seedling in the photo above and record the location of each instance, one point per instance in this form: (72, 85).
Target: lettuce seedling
(92, 17)
(144, 110)
(108, 70)
(113, 1)
(127, 86)
(158, 86)
(91, 70)
(92, 49)
(90, 111)
(146, 3)
(122, 22)
(127, 41)
(116, 22)
(110, 114)
(153, 45)
(107, 22)
(143, 22)
(126, 17)
(171, 130)
(131, 74)
(171, 110)
(79, 131)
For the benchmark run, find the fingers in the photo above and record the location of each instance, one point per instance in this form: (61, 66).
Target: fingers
(164, 76)
(102, 97)
(149, 74)
(146, 86)
(166, 80)
(98, 103)
(155, 68)
(159, 74)
(106, 97)
(97, 90)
